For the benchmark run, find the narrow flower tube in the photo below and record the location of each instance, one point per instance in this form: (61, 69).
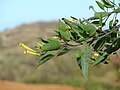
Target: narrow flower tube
(40, 44)
(26, 47)
(55, 37)
(96, 54)
(30, 52)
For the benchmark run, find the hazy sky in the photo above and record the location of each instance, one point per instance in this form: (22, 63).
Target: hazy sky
(17, 12)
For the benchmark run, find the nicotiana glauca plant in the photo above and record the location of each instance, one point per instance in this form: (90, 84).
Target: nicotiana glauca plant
(95, 44)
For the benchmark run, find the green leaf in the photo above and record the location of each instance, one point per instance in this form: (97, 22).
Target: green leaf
(65, 35)
(71, 24)
(100, 5)
(57, 31)
(82, 39)
(53, 44)
(62, 26)
(83, 59)
(89, 28)
(107, 4)
(44, 59)
(78, 54)
(63, 51)
(98, 14)
(73, 18)
(111, 24)
(75, 27)
(119, 34)
(44, 41)
(100, 20)
(95, 22)
(80, 32)
(78, 29)
(117, 10)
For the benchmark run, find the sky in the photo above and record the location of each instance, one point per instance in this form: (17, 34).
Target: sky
(17, 12)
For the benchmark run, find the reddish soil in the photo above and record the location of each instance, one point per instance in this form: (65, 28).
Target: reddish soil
(6, 85)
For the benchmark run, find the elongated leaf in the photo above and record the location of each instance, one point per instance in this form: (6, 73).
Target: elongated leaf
(89, 28)
(83, 59)
(107, 4)
(65, 35)
(63, 51)
(57, 31)
(73, 18)
(44, 59)
(117, 10)
(62, 26)
(118, 34)
(100, 5)
(98, 14)
(71, 24)
(80, 32)
(95, 22)
(53, 44)
(44, 41)
(111, 24)
(78, 29)
(100, 20)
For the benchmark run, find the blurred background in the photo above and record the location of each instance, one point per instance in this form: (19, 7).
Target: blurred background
(26, 21)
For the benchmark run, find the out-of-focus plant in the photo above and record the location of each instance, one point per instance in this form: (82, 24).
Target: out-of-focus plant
(94, 43)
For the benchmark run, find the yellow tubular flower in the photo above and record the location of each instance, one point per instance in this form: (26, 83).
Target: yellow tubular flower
(26, 47)
(40, 44)
(30, 52)
(55, 37)
(96, 54)
(92, 57)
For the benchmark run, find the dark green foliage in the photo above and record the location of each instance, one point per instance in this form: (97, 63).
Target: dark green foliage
(44, 59)
(100, 5)
(107, 4)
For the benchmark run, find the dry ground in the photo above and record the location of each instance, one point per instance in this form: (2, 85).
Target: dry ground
(7, 85)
